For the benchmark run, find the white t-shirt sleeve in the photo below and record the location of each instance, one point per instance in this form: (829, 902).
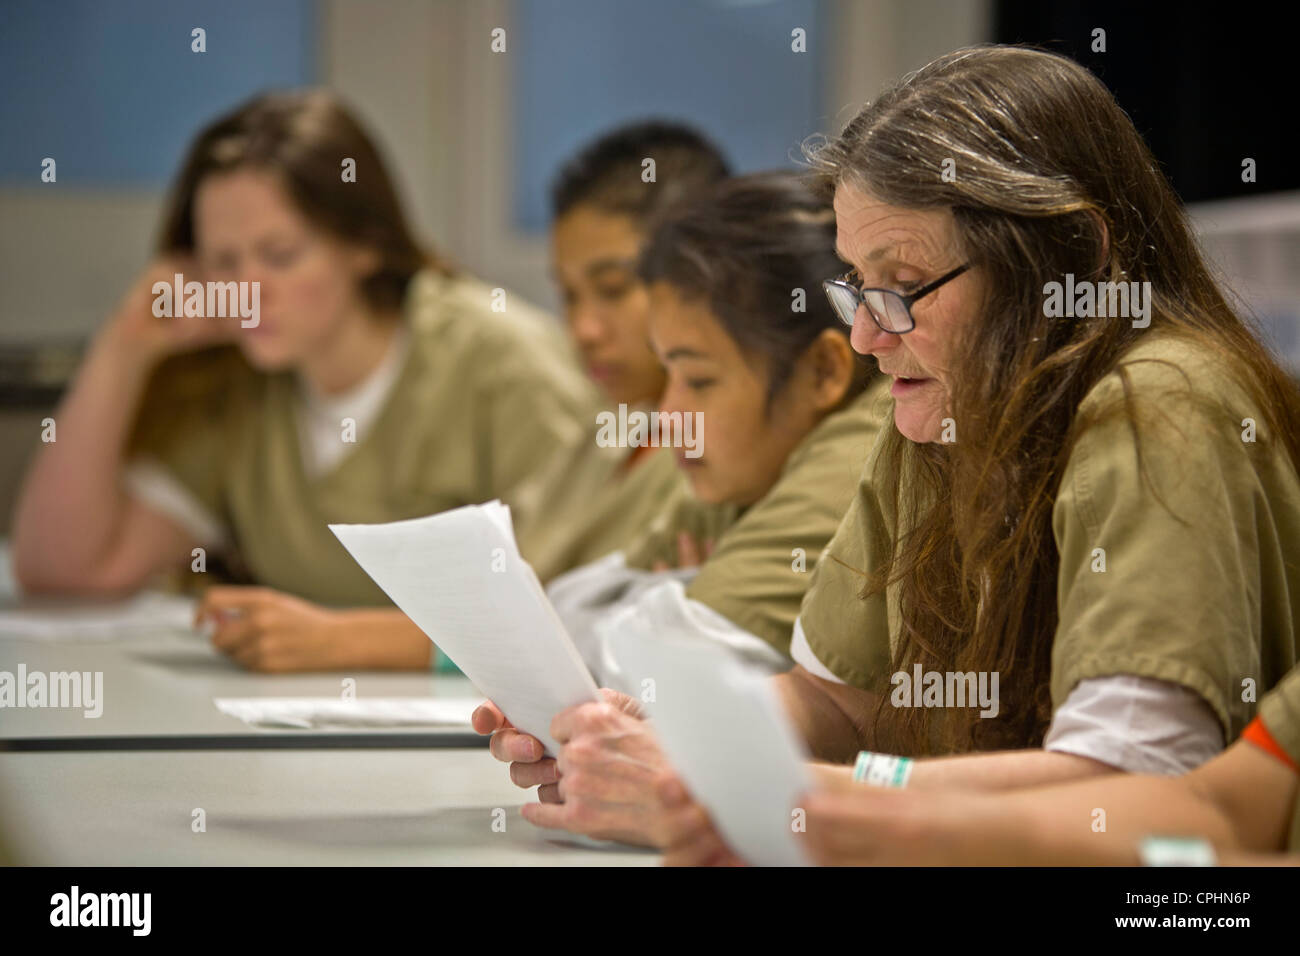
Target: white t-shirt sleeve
(1137, 724)
(803, 655)
(150, 483)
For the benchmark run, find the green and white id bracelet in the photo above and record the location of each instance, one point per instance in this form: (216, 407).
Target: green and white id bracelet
(882, 770)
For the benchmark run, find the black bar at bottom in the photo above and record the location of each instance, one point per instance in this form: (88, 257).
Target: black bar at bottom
(317, 741)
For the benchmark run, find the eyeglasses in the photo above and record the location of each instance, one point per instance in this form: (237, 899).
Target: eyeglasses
(889, 309)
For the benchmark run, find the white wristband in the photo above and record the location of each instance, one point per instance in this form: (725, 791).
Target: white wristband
(1177, 851)
(882, 770)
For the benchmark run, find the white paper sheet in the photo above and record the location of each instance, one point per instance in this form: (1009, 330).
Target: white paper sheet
(321, 713)
(664, 608)
(75, 622)
(459, 576)
(726, 734)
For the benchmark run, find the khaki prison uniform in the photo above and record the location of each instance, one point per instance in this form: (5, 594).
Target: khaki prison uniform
(487, 405)
(1205, 597)
(600, 505)
(763, 559)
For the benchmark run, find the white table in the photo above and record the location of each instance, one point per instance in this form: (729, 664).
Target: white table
(126, 791)
(162, 686)
(278, 807)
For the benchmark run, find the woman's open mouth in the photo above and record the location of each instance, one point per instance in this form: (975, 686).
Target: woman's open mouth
(905, 386)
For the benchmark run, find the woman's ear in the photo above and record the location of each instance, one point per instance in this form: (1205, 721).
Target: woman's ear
(829, 362)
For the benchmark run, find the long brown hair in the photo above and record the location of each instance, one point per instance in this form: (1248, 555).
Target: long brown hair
(304, 137)
(1051, 177)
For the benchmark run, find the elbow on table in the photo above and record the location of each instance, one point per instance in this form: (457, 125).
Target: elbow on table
(47, 575)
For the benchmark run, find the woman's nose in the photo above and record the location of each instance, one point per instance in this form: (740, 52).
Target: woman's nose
(585, 325)
(867, 338)
(671, 399)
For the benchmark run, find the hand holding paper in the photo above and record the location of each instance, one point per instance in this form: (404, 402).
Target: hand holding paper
(459, 576)
(723, 728)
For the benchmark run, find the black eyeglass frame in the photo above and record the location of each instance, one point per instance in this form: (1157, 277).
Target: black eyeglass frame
(907, 300)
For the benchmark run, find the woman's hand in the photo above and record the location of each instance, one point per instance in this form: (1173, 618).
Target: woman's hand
(848, 824)
(266, 630)
(690, 838)
(74, 529)
(694, 841)
(690, 554)
(135, 330)
(529, 765)
(612, 780)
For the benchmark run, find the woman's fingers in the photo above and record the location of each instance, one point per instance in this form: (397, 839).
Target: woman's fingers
(542, 773)
(550, 793)
(690, 839)
(233, 634)
(512, 746)
(627, 704)
(488, 719)
(688, 552)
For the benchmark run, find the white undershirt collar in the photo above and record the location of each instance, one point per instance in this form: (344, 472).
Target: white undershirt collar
(321, 417)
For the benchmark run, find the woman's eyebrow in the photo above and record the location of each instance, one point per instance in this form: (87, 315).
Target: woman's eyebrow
(609, 265)
(880, 252)
(274, 240)
(683, 351)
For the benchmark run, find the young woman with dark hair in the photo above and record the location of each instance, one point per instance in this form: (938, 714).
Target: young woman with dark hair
(788, 412)
(602, 208)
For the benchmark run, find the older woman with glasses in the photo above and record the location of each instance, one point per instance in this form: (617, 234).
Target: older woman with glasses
(1097, 515)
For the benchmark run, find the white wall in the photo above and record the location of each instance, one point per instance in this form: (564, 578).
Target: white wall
(1255, 243)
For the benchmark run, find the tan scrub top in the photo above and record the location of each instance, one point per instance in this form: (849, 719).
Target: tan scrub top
(763, 560)
(1205, 597)
(601, 505)
(487, 405)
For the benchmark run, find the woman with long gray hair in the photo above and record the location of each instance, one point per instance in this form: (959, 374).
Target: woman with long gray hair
(1078, 549)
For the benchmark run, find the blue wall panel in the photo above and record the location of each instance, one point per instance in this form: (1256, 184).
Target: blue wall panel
(582, 66)
(111, 90)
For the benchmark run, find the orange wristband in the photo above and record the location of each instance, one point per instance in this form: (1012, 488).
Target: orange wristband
(1258, 735)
